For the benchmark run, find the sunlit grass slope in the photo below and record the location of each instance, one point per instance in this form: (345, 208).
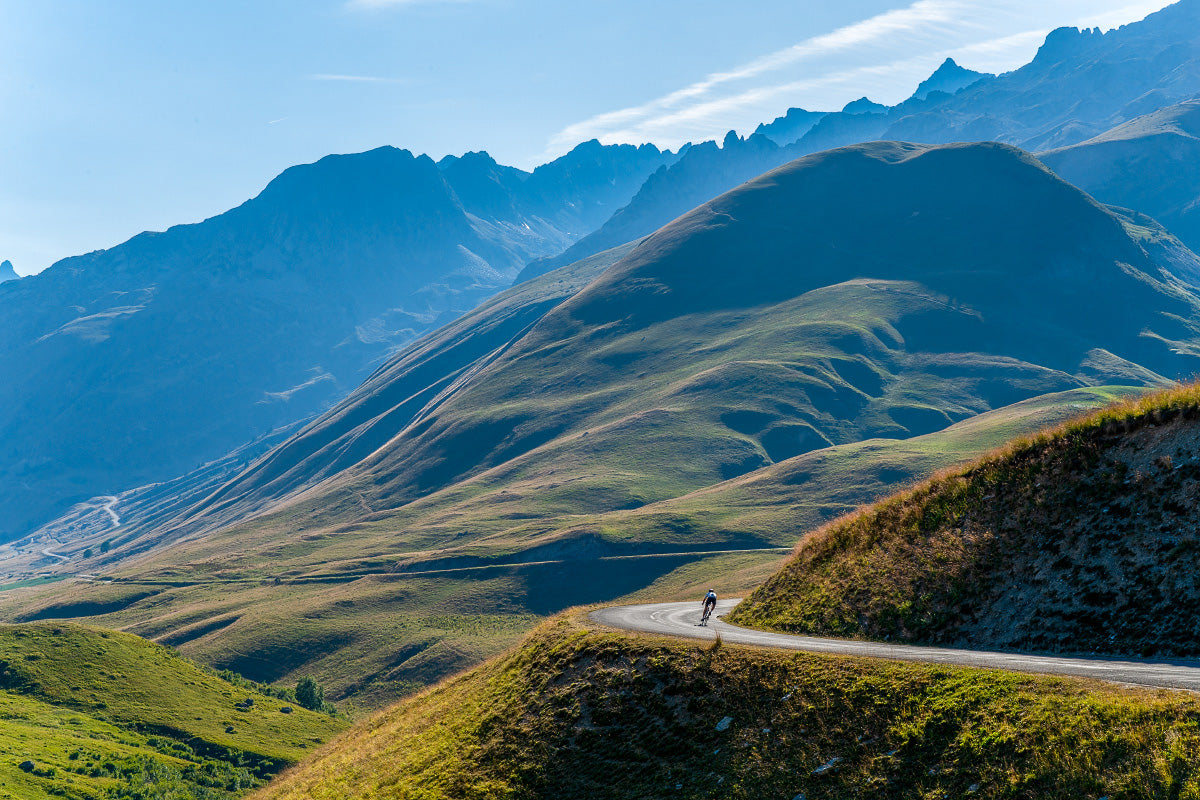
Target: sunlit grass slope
(579, 713)
(343, 612)
(1081, 538)
(94, 713)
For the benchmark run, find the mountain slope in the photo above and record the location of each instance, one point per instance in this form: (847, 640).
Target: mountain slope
(1080, 539)
(1151, 163)
(795, 237)
(132, 365)
(555, 447)
(376, 618)
(559, 201)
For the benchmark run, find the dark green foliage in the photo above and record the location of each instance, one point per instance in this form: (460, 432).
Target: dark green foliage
(310, 694)
(145, 777)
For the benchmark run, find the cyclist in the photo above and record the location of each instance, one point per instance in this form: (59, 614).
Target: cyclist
(710, 602)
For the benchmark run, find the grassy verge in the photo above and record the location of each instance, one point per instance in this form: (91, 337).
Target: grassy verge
(580, 713)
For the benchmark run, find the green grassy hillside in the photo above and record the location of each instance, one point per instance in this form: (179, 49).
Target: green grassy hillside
(1082, 538)
(343, 611)
(92, 713)
(580, 713)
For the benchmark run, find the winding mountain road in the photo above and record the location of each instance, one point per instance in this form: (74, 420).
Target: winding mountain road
(682, 619)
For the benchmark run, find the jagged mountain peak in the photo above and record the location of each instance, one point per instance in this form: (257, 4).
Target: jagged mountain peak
(379, 182)
(948, 78)
(863, 105)
(791, 126)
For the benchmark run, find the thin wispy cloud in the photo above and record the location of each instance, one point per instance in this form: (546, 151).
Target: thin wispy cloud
(371, 5)
(883, 57)
(355, 78)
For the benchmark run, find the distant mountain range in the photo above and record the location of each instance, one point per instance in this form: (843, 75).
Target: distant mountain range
(790, 127)
(1079, 85)
(7, 273)
(133, 365)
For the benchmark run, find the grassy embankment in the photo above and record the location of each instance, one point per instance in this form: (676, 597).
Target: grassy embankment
(581, 713)
(90, 713)
(1080, 538)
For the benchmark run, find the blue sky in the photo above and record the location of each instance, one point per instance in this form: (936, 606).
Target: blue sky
(134, 115)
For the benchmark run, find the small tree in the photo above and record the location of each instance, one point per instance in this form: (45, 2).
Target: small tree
(106, 545)
(310, 694)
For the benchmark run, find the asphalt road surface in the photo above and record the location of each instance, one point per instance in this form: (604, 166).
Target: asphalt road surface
(682, 619)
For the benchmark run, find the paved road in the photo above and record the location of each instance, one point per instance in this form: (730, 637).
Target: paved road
(681, 619)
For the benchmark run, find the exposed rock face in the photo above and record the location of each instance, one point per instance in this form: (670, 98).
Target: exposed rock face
(1082, 540)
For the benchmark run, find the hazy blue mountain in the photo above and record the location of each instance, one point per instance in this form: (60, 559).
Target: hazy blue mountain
(949, 78)
(1151, 164)
(703, 171)
(7, 273)
(572, 195)
(581, 190)
(1080, 84)
(135, 364)
(863, 105)
(790, 127)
